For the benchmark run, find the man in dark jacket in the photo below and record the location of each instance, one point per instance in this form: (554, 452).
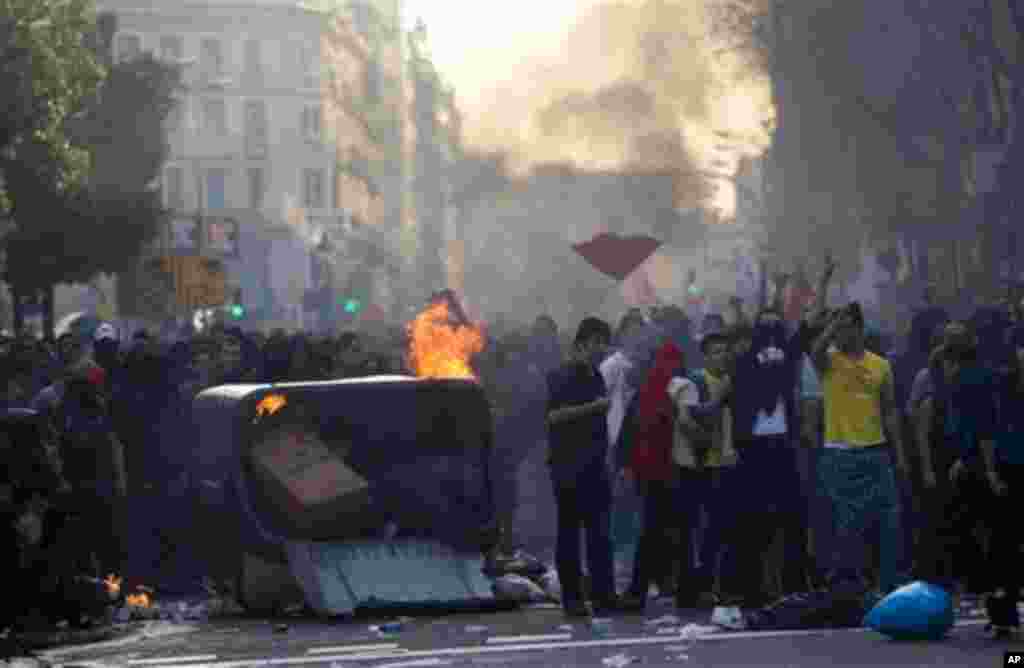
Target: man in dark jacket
(578, 440)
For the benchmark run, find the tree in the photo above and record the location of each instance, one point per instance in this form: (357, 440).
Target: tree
(47, 70)
(101, 222)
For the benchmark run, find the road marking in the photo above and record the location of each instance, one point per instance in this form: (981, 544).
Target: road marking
(172, 660)
(522, 647)
(378, 647)
(499, 640)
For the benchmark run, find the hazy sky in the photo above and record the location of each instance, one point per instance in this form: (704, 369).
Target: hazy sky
(476, 44)
(508, 62)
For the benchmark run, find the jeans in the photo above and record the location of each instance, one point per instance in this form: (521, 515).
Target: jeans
(950, 552)
(861, 485)
(585, 504)
(656, 556)
(1006, 545)
(768, 480)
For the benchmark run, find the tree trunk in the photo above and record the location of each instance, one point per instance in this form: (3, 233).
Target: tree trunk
(49, 323)
(18, 311)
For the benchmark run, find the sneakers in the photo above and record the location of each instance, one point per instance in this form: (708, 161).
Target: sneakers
(729, 617)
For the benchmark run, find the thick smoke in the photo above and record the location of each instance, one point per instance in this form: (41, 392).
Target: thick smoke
(646, 84)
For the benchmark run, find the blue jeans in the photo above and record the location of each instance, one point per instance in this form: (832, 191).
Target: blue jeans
(861, 485)
(584, 504)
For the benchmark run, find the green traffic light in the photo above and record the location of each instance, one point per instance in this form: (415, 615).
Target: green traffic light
(352, 306)
(237, 311)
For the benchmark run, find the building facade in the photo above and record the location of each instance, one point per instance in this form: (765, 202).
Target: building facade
(265, 148)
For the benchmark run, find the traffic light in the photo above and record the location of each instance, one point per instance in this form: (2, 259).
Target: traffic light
(237, 309)
(353, 306)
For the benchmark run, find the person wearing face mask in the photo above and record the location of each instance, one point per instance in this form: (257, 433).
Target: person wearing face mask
(578, 445)
(863, 447)
(763, 401)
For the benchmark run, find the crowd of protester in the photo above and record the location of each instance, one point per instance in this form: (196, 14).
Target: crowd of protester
(765, 454)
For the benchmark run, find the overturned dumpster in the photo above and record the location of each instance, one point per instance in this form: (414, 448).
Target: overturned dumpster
(301, 479)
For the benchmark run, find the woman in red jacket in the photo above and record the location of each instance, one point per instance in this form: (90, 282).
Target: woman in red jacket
(655, 473)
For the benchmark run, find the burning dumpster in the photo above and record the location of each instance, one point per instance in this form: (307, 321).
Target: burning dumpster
(308, 474)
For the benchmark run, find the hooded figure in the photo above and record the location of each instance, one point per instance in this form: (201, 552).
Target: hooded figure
(767, 374)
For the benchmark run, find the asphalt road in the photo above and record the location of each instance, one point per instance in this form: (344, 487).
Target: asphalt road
(535, 637)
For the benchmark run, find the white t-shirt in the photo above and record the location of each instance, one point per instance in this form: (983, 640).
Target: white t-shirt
(614, 371)
(773, 424)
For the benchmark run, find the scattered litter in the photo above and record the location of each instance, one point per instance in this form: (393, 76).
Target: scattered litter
(694, 631)
(476, 628)
(620, 660)
(389, 627)
(417, 663)
(281, 628)
(681, 657)
(518, 588)
(24, 662)
(664, 619)
(566, 627)
(677, 648)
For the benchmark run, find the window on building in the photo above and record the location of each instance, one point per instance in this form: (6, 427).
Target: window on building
(128, 47)
(174, 188)
(171, 48)
(253, 61)
(309, 66)
(313, 188)
(372, 83)
(256, 128)
(215, 119)
(257, 187)
(312, 123)
(211, 58)
(216, 188)
(175, 119)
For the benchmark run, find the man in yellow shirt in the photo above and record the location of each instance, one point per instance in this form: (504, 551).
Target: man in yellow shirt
(863, 446)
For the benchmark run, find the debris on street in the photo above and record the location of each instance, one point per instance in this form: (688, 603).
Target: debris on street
(663, 620)
(620, 660)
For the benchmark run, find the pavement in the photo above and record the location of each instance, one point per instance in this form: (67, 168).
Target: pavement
(538, 636)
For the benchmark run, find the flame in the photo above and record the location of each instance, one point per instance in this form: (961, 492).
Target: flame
(113, 584)
(439, 348)
(270, 404)
(139, 600)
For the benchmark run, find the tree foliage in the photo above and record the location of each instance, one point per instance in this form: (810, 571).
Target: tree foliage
(47, 71)
(68, 231)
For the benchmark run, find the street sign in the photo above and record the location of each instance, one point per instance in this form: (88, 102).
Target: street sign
(198, 282)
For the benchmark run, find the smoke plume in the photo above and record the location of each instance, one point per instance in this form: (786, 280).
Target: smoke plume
(635, 85)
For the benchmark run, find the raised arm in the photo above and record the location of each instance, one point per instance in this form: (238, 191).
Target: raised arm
(821, 296)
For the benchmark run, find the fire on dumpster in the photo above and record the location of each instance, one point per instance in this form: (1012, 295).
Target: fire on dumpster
(442, 343)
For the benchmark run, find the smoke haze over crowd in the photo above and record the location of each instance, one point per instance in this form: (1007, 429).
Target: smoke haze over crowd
(642, 84)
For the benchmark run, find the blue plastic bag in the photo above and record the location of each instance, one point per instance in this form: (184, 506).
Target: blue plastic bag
(917, 611)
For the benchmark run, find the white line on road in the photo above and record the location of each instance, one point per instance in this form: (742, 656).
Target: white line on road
(172, 660)
(373, 647)
(501, 640)
(521, 647)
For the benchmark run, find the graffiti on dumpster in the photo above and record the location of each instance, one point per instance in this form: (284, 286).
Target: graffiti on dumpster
(303, 463)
